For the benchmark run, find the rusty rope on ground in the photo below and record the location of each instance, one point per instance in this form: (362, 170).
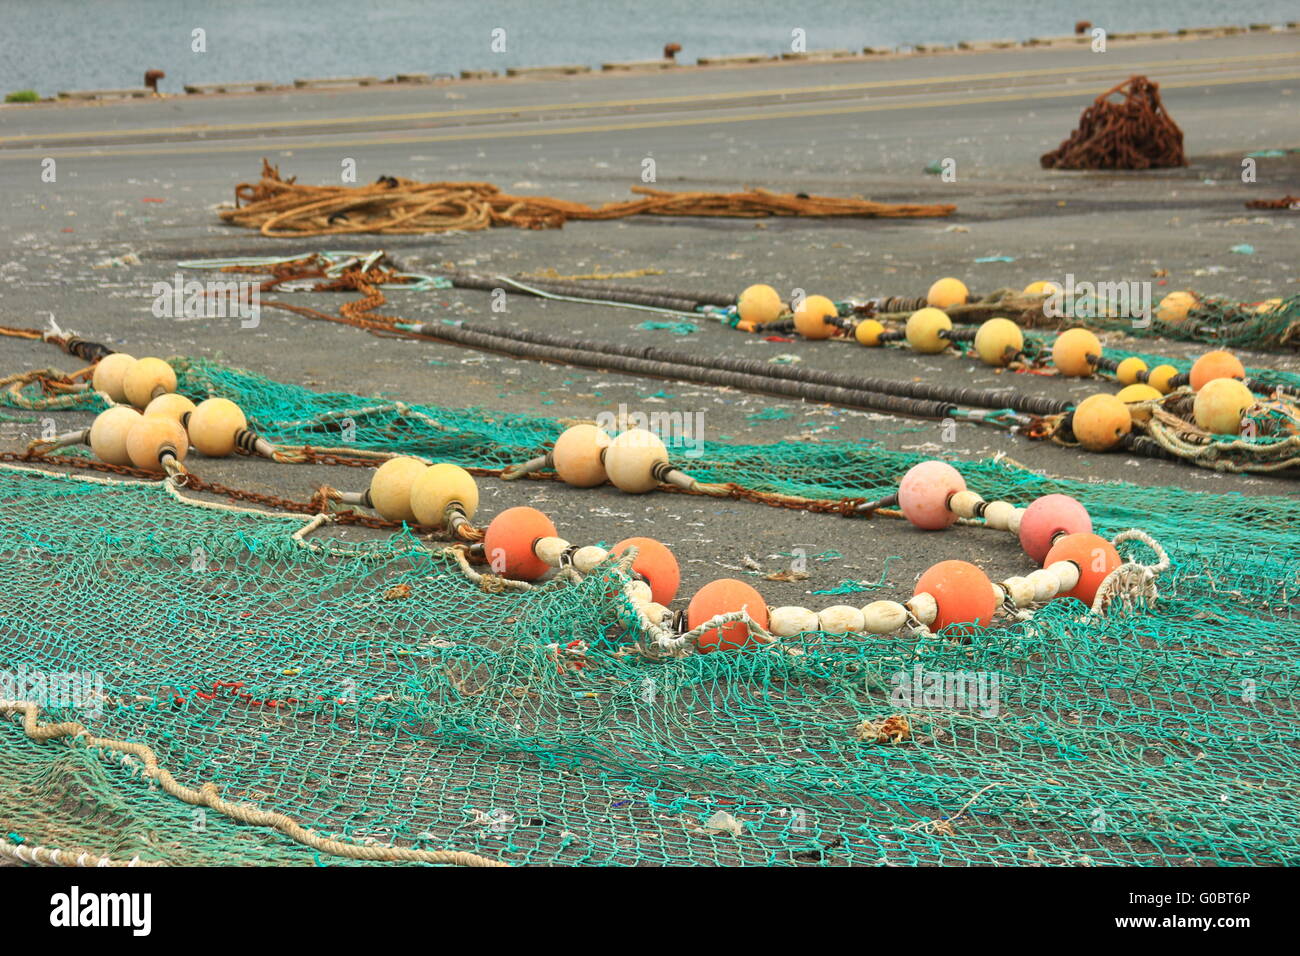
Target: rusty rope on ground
(1135, 133)
(282, 207)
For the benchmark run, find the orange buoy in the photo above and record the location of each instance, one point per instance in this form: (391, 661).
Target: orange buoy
(1093, 555)
(868, 332)
(1162, 378)
(1071, 350)
(1175, 307)
(1128, 370)
(947, 292)
(1047, 517)
(998, 341)
(509, 539)
(923, 328)
(810, 319)
(963, 593)
(760, 304)
(1101, 422)
(656, 564)
(1213, 365)
(1220, 404)
(723, 597)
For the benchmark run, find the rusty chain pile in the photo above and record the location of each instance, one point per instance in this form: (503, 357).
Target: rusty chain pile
(1134, 133)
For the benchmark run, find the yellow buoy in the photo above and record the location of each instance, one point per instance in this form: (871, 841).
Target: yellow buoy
(1042, 287)
(213, 426)
(1175, 307)
(577, 455)
(1162, 378)
(151, 440)
(760, 304)
(868, 332)
(1101, 422)
(108, 375)
(1212, 365)
(631, 458)
(998, 341)
(810, 320)
(147, 379)
(923, 328)
(438, 487)
(390, 487)
(108, 434)
(1138, 392)
(947, 292)
(1128, 370)
(1071, 351)
(1269, 305)
(1220, 405)
(171, 405)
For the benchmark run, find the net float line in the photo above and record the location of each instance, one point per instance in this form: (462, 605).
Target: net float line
(971, 397)
(283, 208)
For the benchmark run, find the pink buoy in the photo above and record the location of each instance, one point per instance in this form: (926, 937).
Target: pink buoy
(924, 492)
(1046, 518)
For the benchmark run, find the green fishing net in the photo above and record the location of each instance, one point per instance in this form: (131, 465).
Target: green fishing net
(378, 696)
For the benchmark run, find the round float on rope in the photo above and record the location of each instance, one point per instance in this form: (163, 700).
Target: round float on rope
(577, 456)
(108, 434)
(1129, 369)
(631, 458)
(146, 379)
(924, 492)
(1041, 287)
(1220, 405)
(509, 539)
(868, 332)
(998, 341)
(725, 596)
(1049, 517)
(656, 564)
(760, 304)
(923, 328)
(1093, 555)
(1138, 392)
(213, 425)
(1101, 422)
(170, 405)
(1074, 351)
(962, 592)
(1162, 378)
(947, 292)
(440, 487)
(152, 440)
(1175, 307)
(810, 319)
(390, 487)
(109, 372)
(1215, 365)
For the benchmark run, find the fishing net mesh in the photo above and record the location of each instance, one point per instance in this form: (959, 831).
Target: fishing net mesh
(298, 675)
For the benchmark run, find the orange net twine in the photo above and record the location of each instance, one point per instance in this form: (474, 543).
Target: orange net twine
(285, 208)
(1134, 133)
